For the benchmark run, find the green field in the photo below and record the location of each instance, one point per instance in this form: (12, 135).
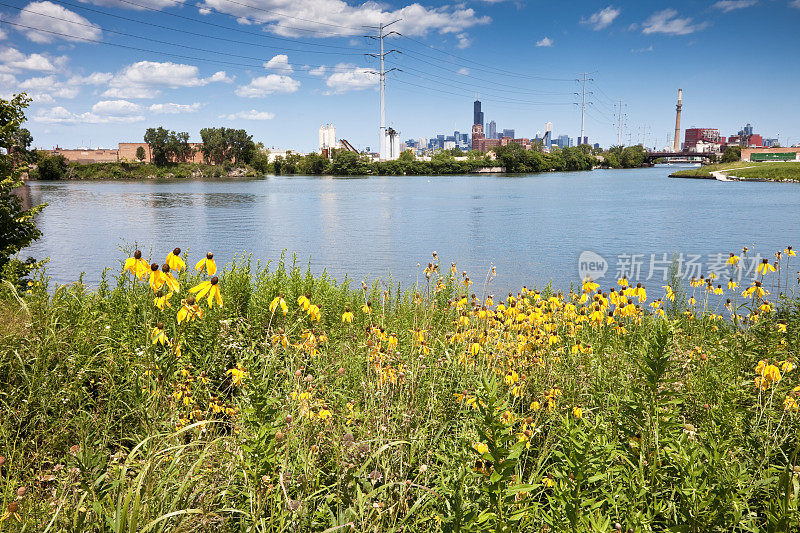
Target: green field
(305, 405)
(768, 171)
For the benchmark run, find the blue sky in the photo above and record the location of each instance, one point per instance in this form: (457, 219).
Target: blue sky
(101, 71)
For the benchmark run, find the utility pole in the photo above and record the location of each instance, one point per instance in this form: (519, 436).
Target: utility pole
(380, 36)
(619, 125)
(583, 104)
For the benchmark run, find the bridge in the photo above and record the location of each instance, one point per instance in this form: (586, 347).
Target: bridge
(652, 156)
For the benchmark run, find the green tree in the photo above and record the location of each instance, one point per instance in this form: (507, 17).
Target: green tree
(732, 154)
(407, 155)
(52, 167)
(345, 163)
(312, 164)
(17, 224)
(157, 139)
(140, 155)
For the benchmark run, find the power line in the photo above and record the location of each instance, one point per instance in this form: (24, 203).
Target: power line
(257, 8)
(494, 84)
(463, 59)
(186, 32)
(233, 64)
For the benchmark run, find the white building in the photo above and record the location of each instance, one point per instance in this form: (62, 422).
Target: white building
(392, 145)
(327, 137)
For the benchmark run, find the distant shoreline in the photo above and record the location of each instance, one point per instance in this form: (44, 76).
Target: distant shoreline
(744, 171)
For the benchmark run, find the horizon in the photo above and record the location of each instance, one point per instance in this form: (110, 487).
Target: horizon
(102, 71)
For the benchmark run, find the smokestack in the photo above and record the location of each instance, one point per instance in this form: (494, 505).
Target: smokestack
(677, 144)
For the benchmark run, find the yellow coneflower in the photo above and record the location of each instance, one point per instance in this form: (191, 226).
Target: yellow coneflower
(367, 308)
(790, 252)
(156, 277)
(314, 312)
(765, 267)
(208, 263)
(12, 511)
(136, 265)
(168, 279)
(189, 310)
(278, 301)
(211, 288)
(577, 412)
(237, 374)
(158, 335)
(480, 447)
(304, 301)
(162, 300)
(175, 261)
(732, 260)
(347, 316)
(790, 404)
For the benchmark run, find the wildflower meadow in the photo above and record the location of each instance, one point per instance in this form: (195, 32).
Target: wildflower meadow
(190, 392)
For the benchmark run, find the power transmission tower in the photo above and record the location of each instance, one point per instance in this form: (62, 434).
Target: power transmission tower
(583, 104)
(619, 125)
(379, 37)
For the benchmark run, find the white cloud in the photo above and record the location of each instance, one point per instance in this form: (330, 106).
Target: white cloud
(249, 115)
(157, 4)
(220, 77)
(603, 18)
(642, 50)
(284, 17)
(2, 34)
(131, 92)
(279, 63)
(60, 115)
(141, 79)
(464, 71)
(322, 69)
(12, 60)
(55, 18)
(351, 78)
(46, 89)
(463, 40)
(730, 5)
(116, 108)
(266, 85)
(546, 42)
(795, 3)
(668, 22)
(95, 78)
(174, 109)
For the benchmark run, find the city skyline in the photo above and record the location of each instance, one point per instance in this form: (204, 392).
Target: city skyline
(102, 71)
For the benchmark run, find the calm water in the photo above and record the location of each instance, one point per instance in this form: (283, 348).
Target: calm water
(532, 228)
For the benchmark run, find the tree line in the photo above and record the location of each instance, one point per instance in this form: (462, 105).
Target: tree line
(513, 158)
(219, 146)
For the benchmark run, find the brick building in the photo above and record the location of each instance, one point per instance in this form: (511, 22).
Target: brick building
(771, 154)
(123, 152)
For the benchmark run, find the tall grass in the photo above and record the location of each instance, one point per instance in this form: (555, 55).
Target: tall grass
(643, 423)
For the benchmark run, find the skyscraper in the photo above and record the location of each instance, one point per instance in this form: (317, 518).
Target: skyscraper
(508, 133)
(477, 114)
(491, 130)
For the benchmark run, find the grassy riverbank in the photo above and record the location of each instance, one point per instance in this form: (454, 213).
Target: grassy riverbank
(762, 171)
(138, 171)
(370, 410)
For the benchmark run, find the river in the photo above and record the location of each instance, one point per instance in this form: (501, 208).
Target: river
(535, 229)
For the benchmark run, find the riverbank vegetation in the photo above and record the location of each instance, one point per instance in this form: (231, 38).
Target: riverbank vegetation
(768, 171)
(17, 221)
(257, 397)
